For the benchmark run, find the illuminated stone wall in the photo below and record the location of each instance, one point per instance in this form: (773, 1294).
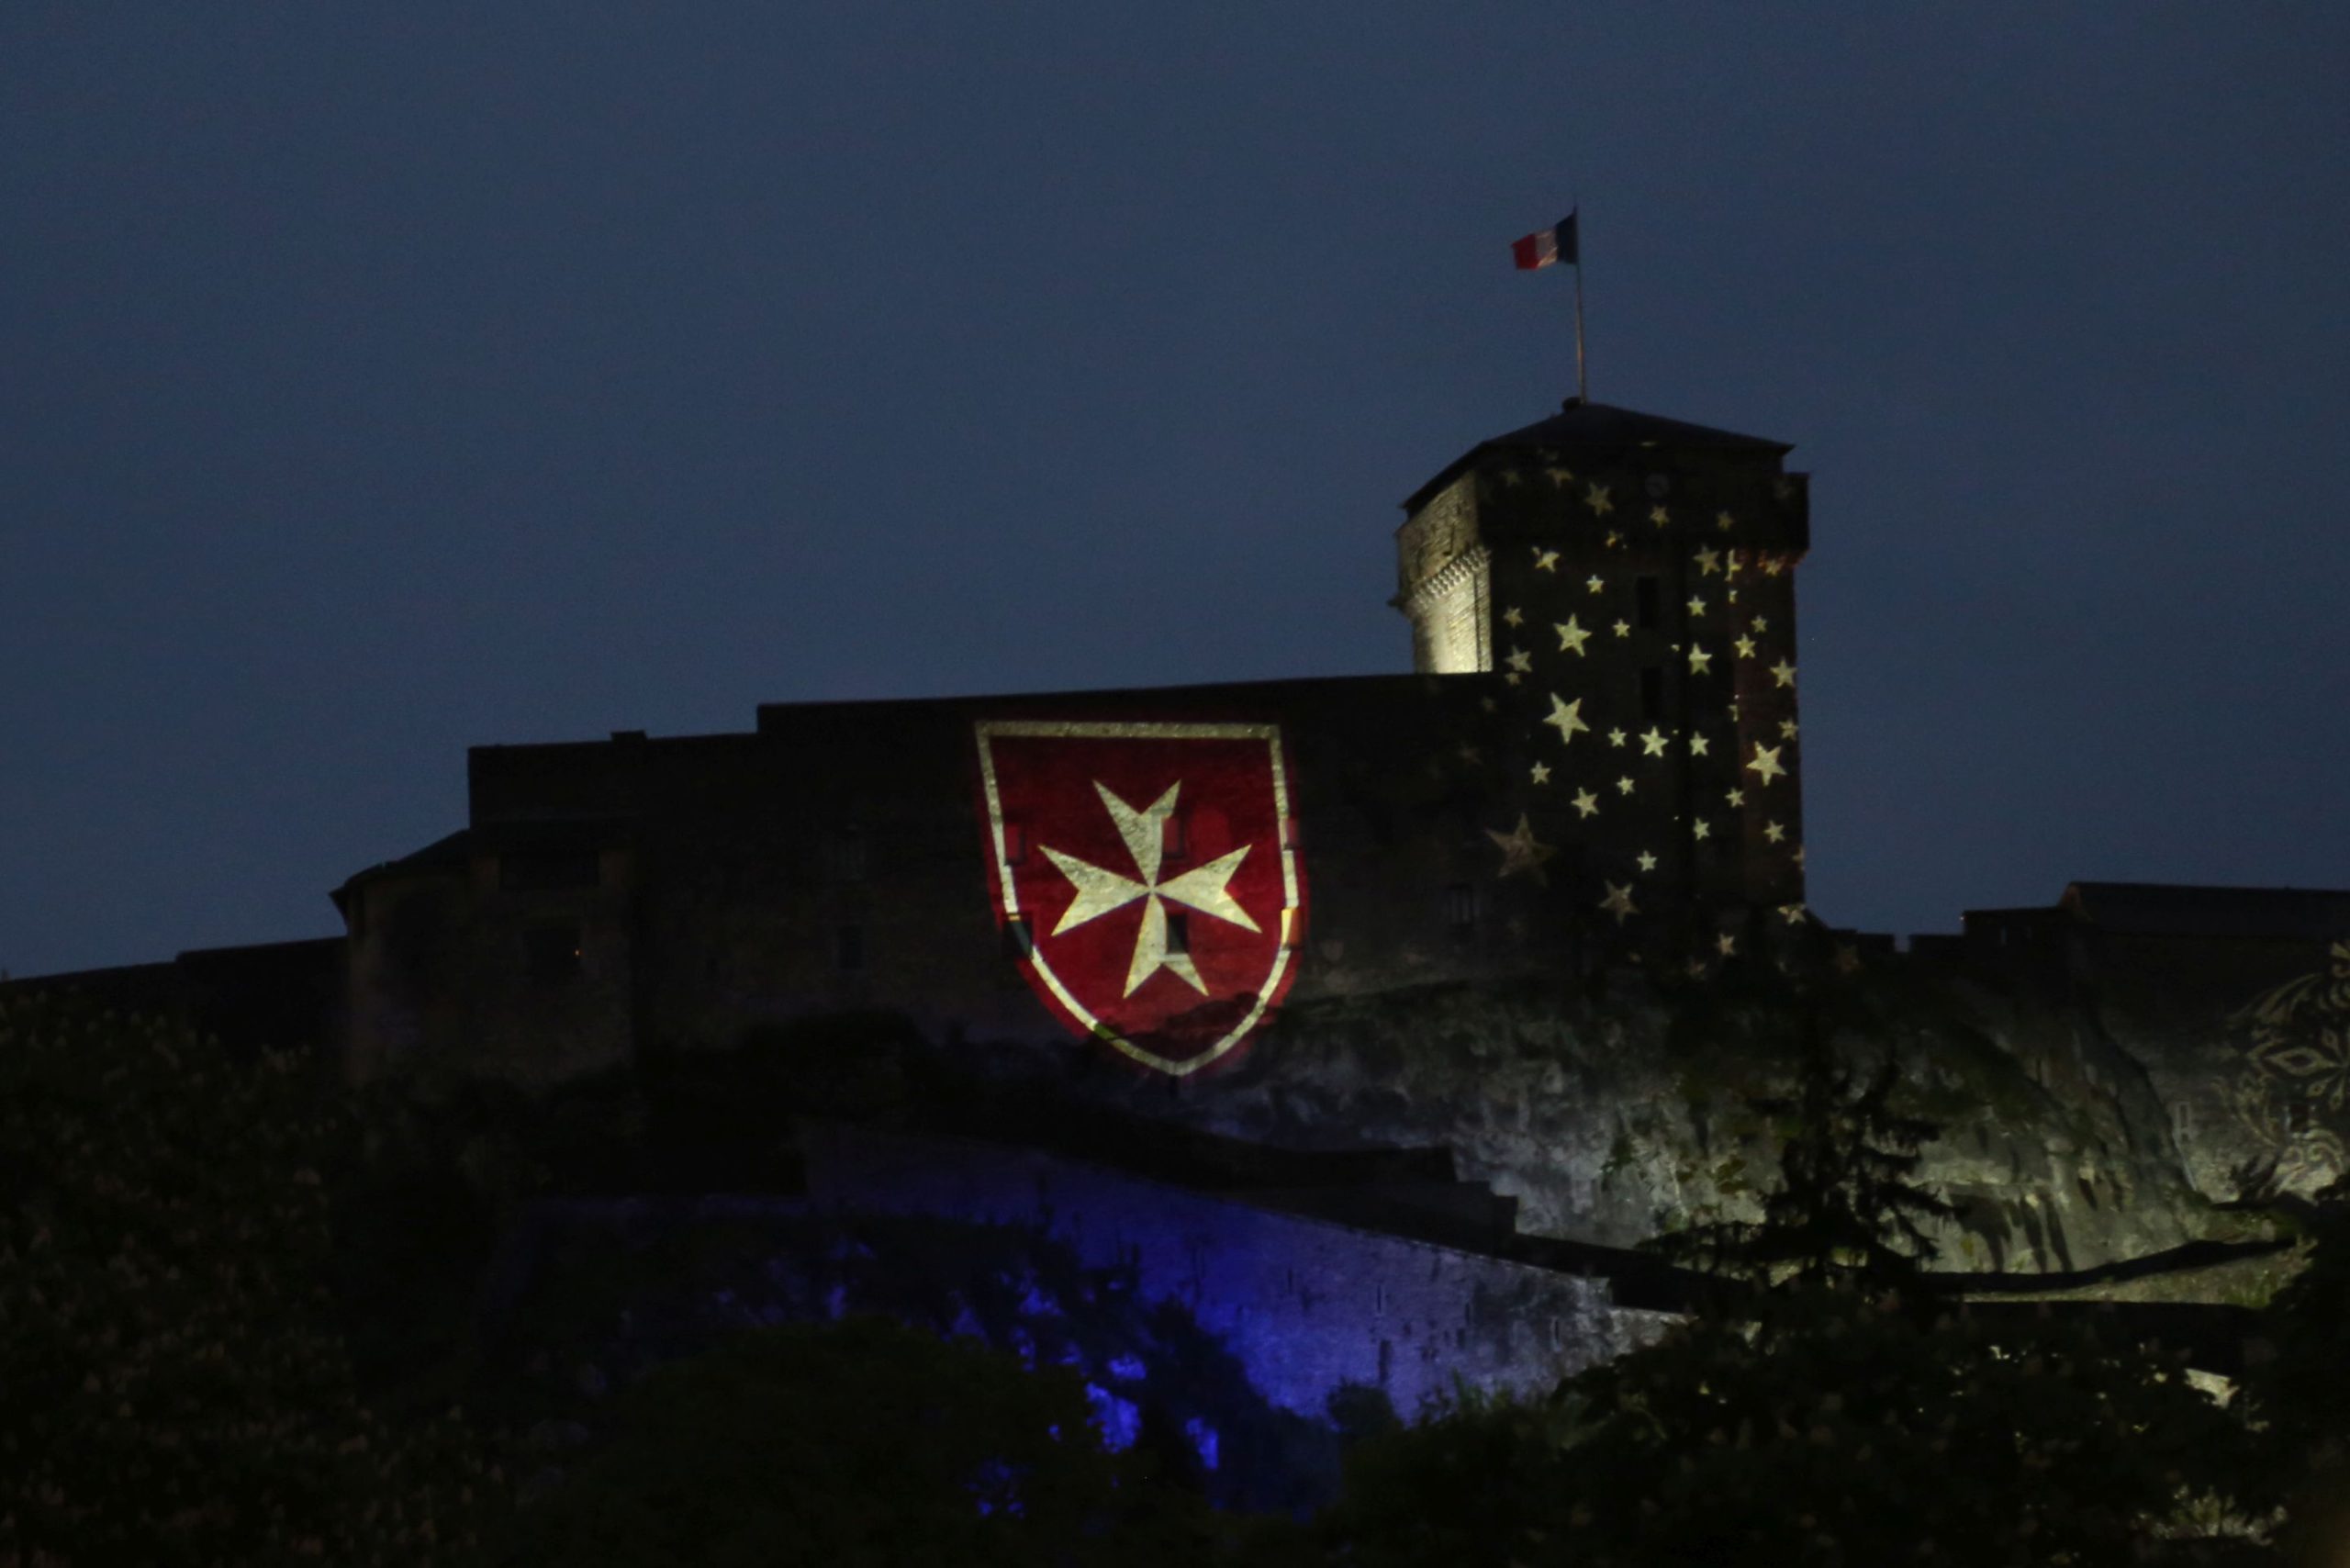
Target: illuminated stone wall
(1303, 1307)
(1307, 1305)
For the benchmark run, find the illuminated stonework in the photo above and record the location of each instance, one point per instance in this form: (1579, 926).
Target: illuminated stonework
(1445, 589)
(1672, 647)
(1450, 615)
(1101, 892)
(2294, 1087)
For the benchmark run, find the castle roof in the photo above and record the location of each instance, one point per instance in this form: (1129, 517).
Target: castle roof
(1584, 427)
(2157, 909)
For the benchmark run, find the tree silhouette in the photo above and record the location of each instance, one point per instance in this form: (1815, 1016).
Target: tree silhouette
(1833, 1417)
(2297, 1386)
(173, 1388)
(865, 1442)
(1845, 1210)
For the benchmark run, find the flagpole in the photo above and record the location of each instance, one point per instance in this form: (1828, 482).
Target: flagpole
(1582, 384)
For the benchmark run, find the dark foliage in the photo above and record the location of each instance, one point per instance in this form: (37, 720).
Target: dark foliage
(2298, 1383)
(173, 1386)
(861, 1443)
(1845, 1208)
(1834, 1417)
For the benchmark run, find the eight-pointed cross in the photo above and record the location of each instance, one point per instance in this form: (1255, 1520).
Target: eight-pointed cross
(1099, 891)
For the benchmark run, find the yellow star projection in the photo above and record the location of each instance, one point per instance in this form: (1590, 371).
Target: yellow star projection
(1520, 852)
(1567, 719)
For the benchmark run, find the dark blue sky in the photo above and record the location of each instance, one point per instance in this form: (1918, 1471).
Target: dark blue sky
(378, 381)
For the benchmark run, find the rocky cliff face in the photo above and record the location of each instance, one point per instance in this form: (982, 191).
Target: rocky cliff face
(2077, 1131)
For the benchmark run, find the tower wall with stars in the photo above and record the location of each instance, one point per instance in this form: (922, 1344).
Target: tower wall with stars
(1642, 615)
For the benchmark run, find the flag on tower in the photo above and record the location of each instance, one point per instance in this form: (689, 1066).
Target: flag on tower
(1545, 246)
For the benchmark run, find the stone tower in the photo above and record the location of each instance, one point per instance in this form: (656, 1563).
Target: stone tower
(1631, 579)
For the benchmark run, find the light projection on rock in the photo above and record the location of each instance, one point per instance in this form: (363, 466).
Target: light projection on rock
(2293, 1086)
(1147, 877)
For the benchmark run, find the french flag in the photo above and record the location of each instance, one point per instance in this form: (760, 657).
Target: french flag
(1545, 246)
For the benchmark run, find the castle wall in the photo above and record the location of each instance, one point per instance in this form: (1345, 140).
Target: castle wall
(835, 859)
(1305, 1304)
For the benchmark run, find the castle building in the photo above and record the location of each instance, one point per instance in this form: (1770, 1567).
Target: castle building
(1596, 760)
(1436, 1170)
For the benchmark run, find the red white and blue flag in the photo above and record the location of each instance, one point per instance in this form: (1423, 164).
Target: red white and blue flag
(1545, 246)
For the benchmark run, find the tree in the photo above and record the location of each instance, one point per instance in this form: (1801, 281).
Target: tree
(1845, 1208)
(2297, 1387)
(1836, 1417)
(175, 1389)
(862, 1443)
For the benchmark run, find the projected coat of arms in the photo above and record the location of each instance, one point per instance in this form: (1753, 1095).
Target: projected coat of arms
(1146, 876)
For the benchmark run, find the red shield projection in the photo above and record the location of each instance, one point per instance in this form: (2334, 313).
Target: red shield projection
(1148, 874)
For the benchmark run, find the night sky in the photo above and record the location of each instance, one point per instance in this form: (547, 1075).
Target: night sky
(375, 382)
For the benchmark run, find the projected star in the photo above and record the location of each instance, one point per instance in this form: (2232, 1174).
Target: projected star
(1560, 475)
(1545, 560)
(1786, 729)
(1658, 516)
(1101, 890)
(1567, 719)
(1773, 832)
(1697, 604)
(1696, 745)
(1520, 851)
(1541, 772)
(1699, 660)
(1597, 499)
(1586, 804)
(1764, 764)
(1615, 737)
(1724, 522)
(1595, 583)
(1520, 661)
(1623, 628)
(1701, 828)
(1572, 637)
(1653, 742)
(1784, 673)
(1647, 862)
(1725, 945)
(1512, 618)
(1745, 647)
(1624, 786)
(1709, 561)
(1618, 903)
